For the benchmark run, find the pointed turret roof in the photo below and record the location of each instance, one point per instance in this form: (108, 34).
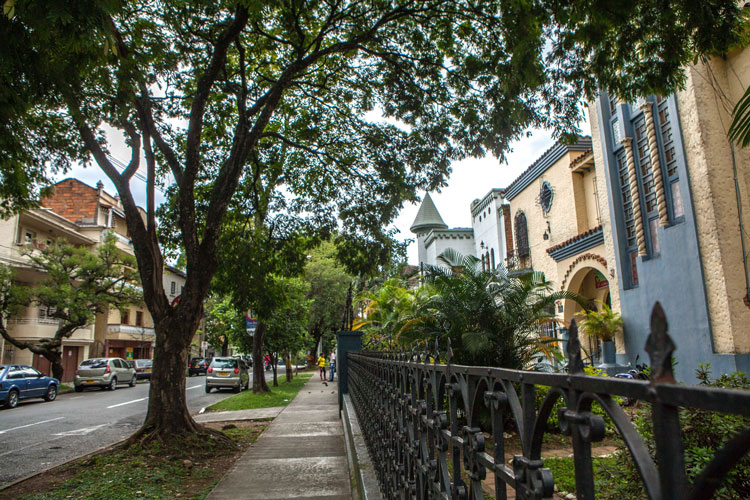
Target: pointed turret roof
(428, 217)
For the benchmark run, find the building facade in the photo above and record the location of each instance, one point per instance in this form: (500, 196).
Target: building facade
(485, 239)
(38, 228)
(677, 191)
(82, 215)
(558, 229)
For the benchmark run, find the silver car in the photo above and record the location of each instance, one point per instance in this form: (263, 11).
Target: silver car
(105, 373)
(227, 372)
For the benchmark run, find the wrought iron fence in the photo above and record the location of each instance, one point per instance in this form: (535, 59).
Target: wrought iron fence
(420, 421)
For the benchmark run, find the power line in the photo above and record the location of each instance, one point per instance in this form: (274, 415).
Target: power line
(138, 174)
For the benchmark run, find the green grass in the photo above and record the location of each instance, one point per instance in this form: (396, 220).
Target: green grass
(65, 387)
(279, 396)
(563, 471)
(151, 472)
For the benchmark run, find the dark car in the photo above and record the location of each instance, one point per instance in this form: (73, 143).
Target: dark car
(143, 368)
(23, 382)
(198, 366)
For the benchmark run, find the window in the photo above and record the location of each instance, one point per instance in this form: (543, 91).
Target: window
(116, 363)
(124, 317)
(173, 288)
(492, 256)
(545, 197)
(15, 373)
(29, 237)
(483, 266)
(522, 235)
(646, 186)
(139, 318)
(664, 131)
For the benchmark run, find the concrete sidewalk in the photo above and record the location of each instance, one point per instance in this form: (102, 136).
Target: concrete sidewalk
(301, 453)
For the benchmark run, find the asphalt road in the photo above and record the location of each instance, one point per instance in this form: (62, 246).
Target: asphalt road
(36, 435)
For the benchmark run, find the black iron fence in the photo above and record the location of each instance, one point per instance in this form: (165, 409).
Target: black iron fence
(421, 423)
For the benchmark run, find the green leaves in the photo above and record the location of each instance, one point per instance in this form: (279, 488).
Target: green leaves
(739, 130)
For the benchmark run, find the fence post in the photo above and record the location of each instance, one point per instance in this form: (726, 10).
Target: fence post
(346, 342)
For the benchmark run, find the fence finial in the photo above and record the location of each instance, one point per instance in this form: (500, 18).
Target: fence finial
(659, 346)
(575, 363)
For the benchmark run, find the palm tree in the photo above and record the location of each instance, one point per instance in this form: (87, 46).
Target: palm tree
(491, 318)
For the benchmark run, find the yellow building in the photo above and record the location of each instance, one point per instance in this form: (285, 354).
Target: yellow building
(83, 215)
(558, 228)
(39, 227)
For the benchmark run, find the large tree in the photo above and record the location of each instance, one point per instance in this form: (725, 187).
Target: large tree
(199, 89)
(76, 284)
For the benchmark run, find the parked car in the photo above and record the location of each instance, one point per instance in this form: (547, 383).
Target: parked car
(227, 372)
(142, 368)
(105, 373)
(198, 366)
(248, 360)
(19, 382)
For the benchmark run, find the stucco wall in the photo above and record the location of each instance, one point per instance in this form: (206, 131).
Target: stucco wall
(673, 277)
(709, 161)
(464, 246)
(490, 231)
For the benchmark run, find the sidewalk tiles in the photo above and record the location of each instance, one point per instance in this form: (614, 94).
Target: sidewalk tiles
(300, 454)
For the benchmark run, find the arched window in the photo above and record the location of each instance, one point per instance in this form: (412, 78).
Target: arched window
(522, 235)
(492, 256)
(483, 269)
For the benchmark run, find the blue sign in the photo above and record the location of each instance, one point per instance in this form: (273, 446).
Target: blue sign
(251, 323)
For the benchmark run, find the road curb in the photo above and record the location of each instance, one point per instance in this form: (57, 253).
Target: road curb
(65, 462)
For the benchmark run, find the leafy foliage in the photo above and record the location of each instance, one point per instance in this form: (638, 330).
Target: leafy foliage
(703, 434)
(602, 324)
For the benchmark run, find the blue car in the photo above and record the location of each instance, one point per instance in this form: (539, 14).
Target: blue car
(22, 382)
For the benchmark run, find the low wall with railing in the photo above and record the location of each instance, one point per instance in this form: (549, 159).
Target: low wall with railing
(420, 420)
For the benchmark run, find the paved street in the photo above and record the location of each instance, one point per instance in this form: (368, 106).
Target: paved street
(37, 435)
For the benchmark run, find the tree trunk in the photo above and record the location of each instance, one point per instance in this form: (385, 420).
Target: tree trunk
(168, 415)
(275, 367)
(288, 363)
(55, 359)
(259, 376)
(225, 345)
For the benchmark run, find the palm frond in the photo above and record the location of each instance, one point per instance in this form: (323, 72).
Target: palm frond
(739, 130)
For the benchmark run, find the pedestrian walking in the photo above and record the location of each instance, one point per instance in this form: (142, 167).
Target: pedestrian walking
(333, 364)
(322, 366)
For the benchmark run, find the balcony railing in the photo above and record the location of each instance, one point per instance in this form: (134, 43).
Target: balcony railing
(420, 420)
(518, 266)
(130, 329)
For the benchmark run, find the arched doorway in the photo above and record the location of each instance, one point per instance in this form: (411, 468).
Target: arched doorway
(590, 282)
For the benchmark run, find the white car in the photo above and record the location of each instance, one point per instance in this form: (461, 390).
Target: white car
(105, 373)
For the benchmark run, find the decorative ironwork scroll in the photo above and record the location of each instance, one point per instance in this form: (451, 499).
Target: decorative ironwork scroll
(421, 421)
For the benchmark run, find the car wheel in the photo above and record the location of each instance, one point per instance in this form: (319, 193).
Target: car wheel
(112, 384)
(12, 400)
(78, 388)
(51, 393)
(133, 381)
(208, 389)
(247, 384)
(238, 388)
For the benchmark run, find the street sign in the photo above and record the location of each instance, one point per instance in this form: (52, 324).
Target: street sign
(204, 345)
(251, 324)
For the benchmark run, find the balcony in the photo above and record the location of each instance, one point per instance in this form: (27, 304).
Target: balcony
(43, 328)
(518, 266)
(130, 332)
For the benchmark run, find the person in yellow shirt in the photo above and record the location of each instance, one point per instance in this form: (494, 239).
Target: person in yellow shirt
(322, 365)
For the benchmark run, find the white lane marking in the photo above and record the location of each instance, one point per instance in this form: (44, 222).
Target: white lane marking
(29, 425)
(48, 440)
(80, 432)
(126, 403)
(77, 397)
(194, 387)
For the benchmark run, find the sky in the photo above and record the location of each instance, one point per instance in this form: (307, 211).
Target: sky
(471, 178)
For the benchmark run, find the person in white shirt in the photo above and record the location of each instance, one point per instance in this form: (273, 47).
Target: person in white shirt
(333, 364)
